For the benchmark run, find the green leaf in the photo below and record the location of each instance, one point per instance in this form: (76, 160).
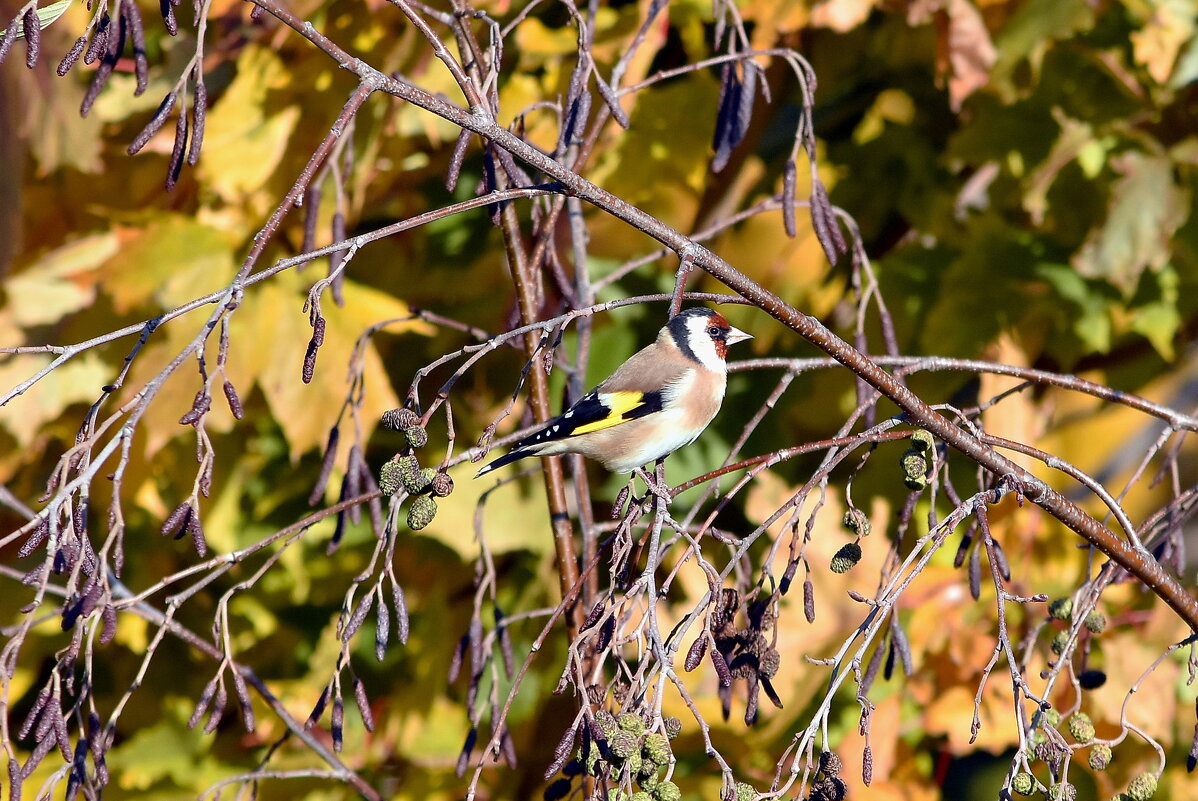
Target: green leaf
(666, 141)
(1086, 310)
(981, 291)
(1074, 139)
(1030, 32)
(1146, 208)
(45, 17)
(1186, 69)
(167, 750)
(1158, 319)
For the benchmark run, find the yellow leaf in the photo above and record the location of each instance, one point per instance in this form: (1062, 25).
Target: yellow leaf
(48, 119)
(168, 750)
(262, 621)
(773, 17)
(515, 518)
(1169, 27)
(886, 728)
(664, 142)
(520, 93)
(270, 334)
(166, 263)
(436, 738)
(132, 632)
(536, 42)
(950, 709)
(57, 285)
(1146, 208)
(77, 381)
(891, 105)
(243, 145)
(160, 423)
(1076, 137)
(1017, 418)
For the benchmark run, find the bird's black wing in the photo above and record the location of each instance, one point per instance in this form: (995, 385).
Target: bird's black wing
(594, 411)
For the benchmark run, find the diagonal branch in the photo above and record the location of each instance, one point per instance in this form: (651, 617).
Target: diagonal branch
(480, 121)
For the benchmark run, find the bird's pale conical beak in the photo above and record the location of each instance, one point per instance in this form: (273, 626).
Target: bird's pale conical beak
(736, 335)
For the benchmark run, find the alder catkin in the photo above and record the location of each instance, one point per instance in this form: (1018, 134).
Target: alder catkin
(108, 631)
(695, 655)
(176, 519)
(202, 703)
(154, 125)
(175, 165)
(363, 704)
(168, 17)
(233, 399)
(72, 56)
(338, 723)
(38, 536)
(199, 109)
(243, 698)
(217, 713)
(358, 617)
(401, 613)
(318, 709)
(789, 179)
(10, 36)
(99, 42)
(309, 368)
(33, 36)
(382, 631)
(137, 32)
(721, 668)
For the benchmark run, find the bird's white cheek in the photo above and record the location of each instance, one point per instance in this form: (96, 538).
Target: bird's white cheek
(707, 354)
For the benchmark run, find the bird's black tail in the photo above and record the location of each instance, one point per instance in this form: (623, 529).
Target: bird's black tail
(515, 454)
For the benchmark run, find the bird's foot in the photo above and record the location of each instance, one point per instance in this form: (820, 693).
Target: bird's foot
(656, 483)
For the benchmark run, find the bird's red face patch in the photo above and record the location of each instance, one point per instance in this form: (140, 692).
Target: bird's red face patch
(721, 344)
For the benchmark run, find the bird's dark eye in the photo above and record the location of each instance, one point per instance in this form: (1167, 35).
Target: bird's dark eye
(714, 331)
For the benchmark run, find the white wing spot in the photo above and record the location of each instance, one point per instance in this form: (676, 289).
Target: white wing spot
(570, 413)
(555, 428)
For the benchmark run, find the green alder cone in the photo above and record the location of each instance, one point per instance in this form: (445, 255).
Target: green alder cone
(848, 556)
(423, 510)
(1023, 784)
(1081, 727)
(413, 478)
(1142, 787)
(390, 478)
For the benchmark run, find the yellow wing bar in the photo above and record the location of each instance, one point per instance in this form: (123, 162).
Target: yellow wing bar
(620, 407)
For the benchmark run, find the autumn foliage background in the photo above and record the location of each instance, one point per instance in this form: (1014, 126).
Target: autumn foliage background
(1020, 173)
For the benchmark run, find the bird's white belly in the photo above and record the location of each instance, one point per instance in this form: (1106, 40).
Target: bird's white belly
(671, 436)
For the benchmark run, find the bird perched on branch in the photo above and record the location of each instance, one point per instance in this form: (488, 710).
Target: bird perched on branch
(655, 403)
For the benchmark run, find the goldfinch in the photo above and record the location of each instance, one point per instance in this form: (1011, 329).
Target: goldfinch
(655, 403)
